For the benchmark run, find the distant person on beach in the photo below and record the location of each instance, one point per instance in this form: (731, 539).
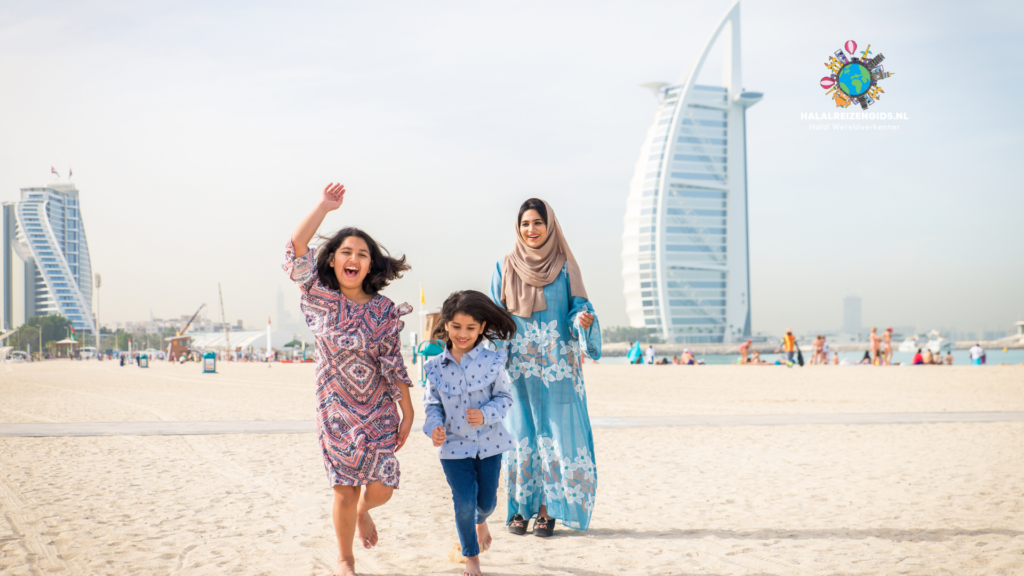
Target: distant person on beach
(949, 358)
(918, 358)
(755, 357)
(466, 399)
(361, 383)
(928, 357)
(649, 354)
(887, 345)
(789, 345)
(687, 358)
(866, 359)
(875, 341)
(540, 283)
(976, 352)
(745, 351)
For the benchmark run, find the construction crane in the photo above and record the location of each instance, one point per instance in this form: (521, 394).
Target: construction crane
(190, 320)
(223, 319)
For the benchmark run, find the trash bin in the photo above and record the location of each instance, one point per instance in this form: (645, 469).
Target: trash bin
(143, 361)
(209, 363)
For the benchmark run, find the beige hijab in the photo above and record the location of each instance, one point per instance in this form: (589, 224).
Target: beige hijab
(526, 271)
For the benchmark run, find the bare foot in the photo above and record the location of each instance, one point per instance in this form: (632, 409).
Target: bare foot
(483, 536)
(345, 567)
(366, 531)
(472, 566)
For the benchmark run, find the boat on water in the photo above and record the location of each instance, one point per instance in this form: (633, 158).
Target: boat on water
(933, 341)
(912, 343)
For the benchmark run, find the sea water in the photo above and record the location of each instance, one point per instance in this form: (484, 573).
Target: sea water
(960, 357)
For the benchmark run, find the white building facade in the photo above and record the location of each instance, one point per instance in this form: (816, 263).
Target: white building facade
(46, 263)
(685, 247)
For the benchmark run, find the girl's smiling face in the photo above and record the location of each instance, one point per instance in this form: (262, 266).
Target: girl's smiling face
(351, 263)
(533, 229)
(463, 330)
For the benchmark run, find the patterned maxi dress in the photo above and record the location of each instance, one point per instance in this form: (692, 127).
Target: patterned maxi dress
(358, 370)
(553, 462)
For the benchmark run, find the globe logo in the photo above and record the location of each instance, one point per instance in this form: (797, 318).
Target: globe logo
(854, 80)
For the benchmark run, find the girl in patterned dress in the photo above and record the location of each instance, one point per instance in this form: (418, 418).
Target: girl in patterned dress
(360, 376)
(466, 399)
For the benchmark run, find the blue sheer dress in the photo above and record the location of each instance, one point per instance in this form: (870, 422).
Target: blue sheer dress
(553, 461)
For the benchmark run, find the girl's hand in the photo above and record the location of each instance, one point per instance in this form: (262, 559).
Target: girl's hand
(586, 319)
(403, 433)
(438, 436)
(332, 197)
(474, 416)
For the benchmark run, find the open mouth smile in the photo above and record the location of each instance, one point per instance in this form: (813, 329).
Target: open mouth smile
(351, 271)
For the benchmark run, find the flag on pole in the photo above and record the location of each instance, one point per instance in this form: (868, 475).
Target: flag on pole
(54, 172)
(70, 173)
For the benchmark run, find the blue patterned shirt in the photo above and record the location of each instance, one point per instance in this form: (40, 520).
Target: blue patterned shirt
(478, 382)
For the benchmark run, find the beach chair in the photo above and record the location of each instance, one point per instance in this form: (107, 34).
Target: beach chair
(425, 351)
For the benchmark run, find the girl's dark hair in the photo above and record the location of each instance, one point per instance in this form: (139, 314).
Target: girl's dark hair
(383, 268)
(500, 325)
(533, 204)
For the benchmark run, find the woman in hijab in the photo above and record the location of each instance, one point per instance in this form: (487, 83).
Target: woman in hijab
(552, 473)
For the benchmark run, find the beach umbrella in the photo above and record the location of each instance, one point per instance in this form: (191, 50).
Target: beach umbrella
(292, 344)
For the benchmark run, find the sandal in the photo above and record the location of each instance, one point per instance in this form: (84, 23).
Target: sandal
(544, 527)
(517, 525)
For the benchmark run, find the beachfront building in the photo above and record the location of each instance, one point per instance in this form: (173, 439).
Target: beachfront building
(685, 250)
(45, 259)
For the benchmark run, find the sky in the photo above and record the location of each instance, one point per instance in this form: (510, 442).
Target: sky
(200, 134)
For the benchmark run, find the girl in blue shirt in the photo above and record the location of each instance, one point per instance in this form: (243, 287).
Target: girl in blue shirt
(466, 399)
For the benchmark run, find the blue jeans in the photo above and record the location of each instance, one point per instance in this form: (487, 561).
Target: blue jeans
(474, 485)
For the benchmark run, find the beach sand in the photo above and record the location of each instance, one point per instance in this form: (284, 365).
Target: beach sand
(823, 499)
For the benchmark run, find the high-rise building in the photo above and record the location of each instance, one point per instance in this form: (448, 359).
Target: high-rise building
(851, 315)
(685, 249)
(46, 264)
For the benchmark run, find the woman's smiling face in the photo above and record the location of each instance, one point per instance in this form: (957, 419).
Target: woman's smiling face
(351, 262)
(532, 229)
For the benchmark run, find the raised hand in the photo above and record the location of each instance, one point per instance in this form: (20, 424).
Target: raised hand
(333, 196)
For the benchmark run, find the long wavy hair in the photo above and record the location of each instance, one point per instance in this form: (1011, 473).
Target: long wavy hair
(500, 325)
(383, 267)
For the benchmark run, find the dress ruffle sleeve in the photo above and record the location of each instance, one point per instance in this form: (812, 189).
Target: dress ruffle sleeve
(391, 363)
(301, 270)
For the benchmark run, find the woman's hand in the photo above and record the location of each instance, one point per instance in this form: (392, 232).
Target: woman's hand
(438, 436)
(474, 416)
(586, 319)
(332, 197)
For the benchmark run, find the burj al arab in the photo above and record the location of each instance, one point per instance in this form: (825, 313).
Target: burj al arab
(685, 255)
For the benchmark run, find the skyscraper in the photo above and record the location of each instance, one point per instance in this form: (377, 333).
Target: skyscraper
(685, 250)
(46, 264)
(851, 315)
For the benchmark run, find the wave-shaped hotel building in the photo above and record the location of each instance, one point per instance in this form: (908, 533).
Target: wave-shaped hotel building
(685, 248)
(45, 258)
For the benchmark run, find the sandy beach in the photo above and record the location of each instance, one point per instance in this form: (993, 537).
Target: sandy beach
(729, 499)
